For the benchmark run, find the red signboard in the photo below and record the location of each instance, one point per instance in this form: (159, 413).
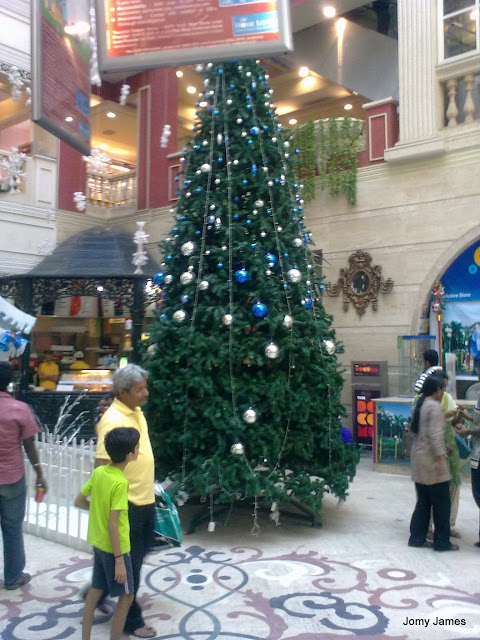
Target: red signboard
(61, 69)
(134, 34)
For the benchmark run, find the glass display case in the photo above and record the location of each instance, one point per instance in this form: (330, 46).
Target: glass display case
(98, 380)
(410, 361)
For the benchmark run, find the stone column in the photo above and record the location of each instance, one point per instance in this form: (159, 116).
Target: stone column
(419, 89)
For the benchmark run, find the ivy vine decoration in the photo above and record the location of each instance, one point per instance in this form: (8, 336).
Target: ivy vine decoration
(328, 149)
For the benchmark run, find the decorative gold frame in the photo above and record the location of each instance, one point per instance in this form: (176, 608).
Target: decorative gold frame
(360, 283)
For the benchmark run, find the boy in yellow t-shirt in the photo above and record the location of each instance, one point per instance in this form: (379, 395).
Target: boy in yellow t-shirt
(109, 530)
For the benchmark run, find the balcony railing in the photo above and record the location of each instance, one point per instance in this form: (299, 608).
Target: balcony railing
(108, 191)
(461, 82)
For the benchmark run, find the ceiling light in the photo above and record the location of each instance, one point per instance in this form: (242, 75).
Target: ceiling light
(303, 72)
(292, 121)
(308, 82)
(191, 89)
(110, 114)
(179, 73)
(68, 119)
(329, 11)
(347, 106)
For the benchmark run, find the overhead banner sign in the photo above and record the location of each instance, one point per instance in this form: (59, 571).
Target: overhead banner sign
(145, 34)
(61, 70)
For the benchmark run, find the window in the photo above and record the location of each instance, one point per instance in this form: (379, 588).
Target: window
(459, 28)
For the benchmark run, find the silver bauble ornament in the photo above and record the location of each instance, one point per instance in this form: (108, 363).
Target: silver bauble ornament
(187, 248)
(179, 316)
(329, 346)
(227, 319)
(288, 321)
(205, 168)
(259, 203)
(186, 277)
(203, 286)
(297, 242)
(272, 351)
(238, 449)
(168, 279)
(250, 416)
(294, 275)
(219, 138)
(151, 349)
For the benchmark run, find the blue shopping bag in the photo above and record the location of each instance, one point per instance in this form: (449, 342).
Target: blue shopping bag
(167, 531)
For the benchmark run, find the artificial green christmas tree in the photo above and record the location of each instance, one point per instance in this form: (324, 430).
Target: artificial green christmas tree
(245, 386)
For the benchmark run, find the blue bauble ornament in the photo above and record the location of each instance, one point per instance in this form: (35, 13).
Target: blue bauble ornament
(158, 278)
(210, 219)
(182, 218)
(271, 259)
(254, 131)
(259, 310)
(308, 304)
(185, 298)
(220, 265)
(241, 275)
(236, 217)
(254, 169)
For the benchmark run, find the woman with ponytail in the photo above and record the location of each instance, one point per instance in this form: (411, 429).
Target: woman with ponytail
(429, 469)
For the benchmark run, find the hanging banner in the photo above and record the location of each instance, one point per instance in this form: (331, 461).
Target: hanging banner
(461, 280)
(61, 70)
(146, 34)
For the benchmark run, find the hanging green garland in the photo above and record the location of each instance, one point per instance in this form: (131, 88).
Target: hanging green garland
(328, 149)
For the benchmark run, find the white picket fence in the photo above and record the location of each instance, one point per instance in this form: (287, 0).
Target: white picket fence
(66, 468)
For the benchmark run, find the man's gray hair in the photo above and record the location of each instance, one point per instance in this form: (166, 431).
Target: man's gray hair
(125, 377)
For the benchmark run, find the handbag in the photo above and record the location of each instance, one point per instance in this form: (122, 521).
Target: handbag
(167, 531)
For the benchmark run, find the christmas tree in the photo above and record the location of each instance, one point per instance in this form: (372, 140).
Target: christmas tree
(245, 385)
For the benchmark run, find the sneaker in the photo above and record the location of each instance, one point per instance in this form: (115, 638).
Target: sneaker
(23, 579)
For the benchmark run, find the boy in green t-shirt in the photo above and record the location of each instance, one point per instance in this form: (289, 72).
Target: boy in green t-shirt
(109, 530)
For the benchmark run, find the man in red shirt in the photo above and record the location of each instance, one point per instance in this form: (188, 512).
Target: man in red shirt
(17, 426)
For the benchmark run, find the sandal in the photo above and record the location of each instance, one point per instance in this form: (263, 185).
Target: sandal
(144, 632)
(427, 544)
(452, 547)
(454, 534)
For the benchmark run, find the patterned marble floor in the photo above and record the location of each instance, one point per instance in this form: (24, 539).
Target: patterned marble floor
(354, 577)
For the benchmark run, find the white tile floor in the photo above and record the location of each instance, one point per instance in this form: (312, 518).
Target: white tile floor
(354, 576)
